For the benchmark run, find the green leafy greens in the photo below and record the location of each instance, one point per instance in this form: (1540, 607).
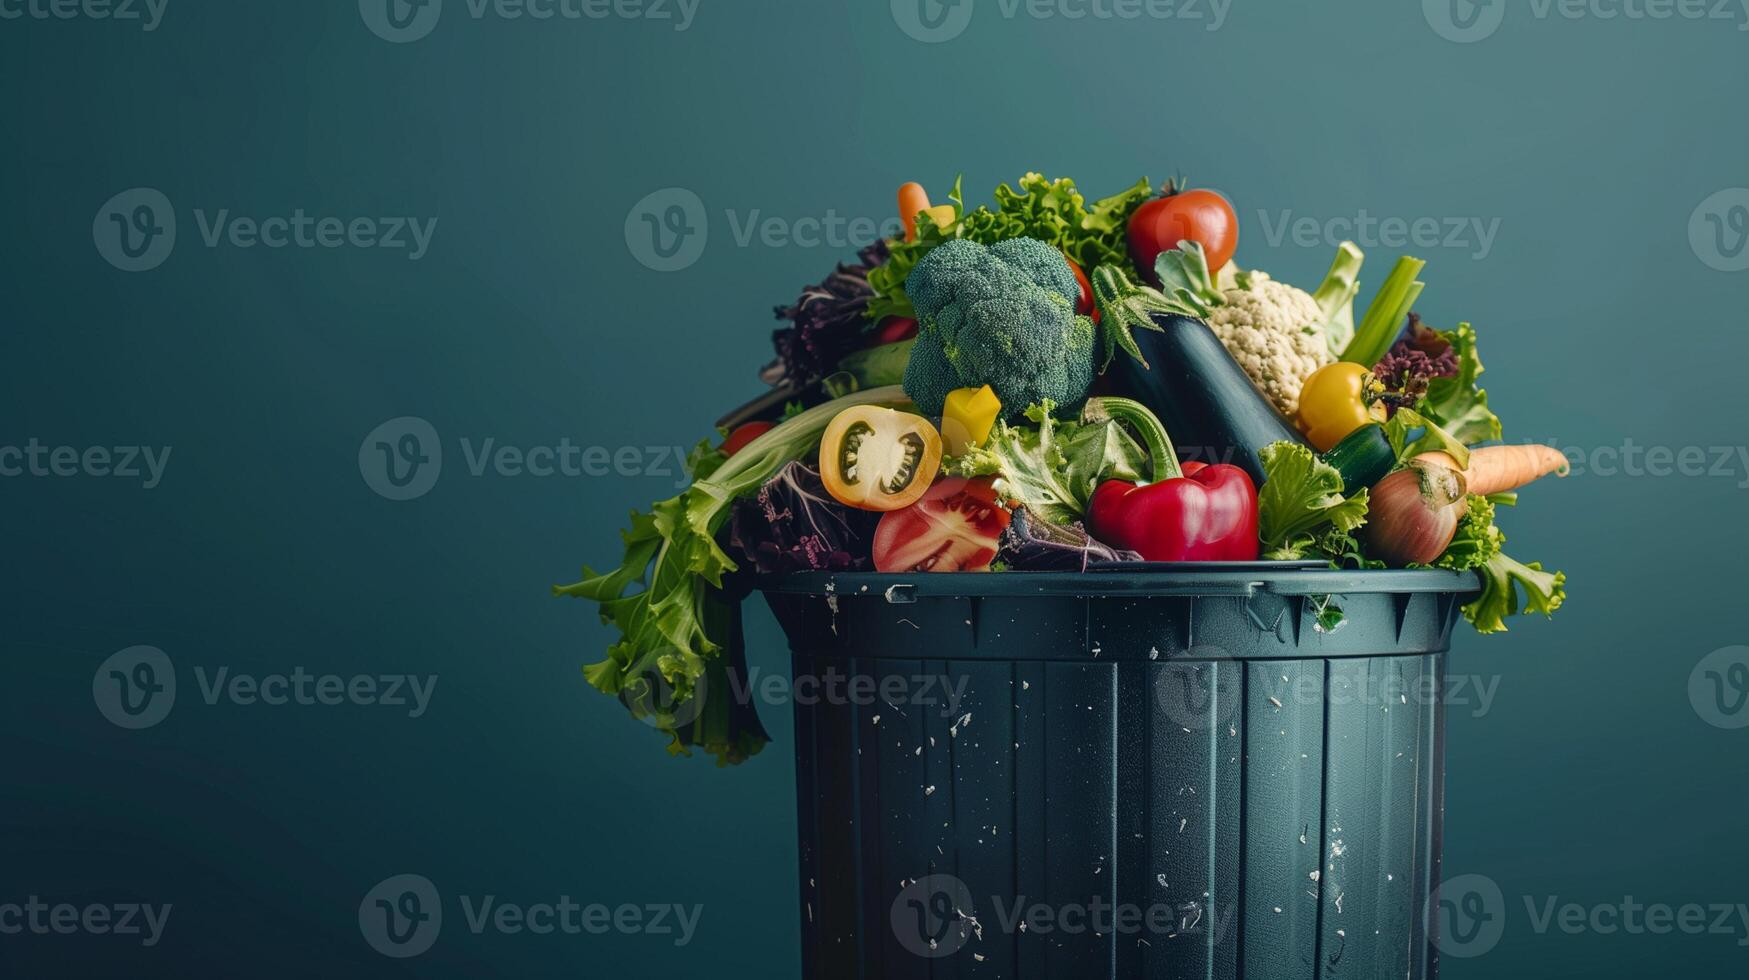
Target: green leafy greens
(1053, 469)
(1301, 510)
(1456, 403)
(672, 629)
(1478, 546)
(1051, 211)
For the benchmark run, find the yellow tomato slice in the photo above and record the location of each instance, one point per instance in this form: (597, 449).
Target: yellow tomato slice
(875, 458)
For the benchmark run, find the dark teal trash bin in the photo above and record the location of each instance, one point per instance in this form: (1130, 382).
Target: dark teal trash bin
(1172, 772)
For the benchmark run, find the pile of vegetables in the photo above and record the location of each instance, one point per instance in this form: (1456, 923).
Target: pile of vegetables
(1051, 384)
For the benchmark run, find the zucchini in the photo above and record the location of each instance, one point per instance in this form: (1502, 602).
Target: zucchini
(1209, 405)
(1363, 457)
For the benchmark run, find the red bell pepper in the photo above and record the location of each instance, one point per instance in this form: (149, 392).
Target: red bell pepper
(1209, 513)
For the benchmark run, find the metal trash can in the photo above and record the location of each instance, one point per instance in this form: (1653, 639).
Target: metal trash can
(1168, 771)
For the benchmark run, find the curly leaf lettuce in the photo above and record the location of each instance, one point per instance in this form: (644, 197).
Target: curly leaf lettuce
(1478, 546)
(1456, 403)
(1301, 510)
(1051, 211)
(1053, 469)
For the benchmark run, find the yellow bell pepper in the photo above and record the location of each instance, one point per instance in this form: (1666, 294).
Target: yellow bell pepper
(967, 417)
(1334, 402)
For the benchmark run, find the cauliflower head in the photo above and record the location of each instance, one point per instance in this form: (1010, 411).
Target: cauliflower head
(1275, 332)
(998, 315)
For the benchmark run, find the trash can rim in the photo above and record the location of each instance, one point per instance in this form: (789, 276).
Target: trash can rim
(1148, 579)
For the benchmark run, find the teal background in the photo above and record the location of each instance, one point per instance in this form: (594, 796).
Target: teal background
(529, 321)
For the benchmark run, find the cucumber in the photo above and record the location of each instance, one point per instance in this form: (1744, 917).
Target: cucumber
(1363, 457)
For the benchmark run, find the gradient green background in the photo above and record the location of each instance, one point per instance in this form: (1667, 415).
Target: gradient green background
(1591, 141)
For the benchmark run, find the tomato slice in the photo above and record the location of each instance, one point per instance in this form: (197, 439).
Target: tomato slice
(875, 458)
(956, 527)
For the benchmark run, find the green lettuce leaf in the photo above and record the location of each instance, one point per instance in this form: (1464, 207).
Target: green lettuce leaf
(1054, 468)
(1433, 438)
(672, 631)
(1477, 546)
(1456, 403)
(1300, 504)
(1502, 578)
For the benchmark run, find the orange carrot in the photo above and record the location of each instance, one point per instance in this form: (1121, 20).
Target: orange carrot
(913, 200)
(1497, 469)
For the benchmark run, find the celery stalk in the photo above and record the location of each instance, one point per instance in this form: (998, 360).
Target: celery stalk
(1384, 318)
(1335, 297)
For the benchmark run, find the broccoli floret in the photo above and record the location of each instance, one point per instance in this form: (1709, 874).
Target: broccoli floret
(1000, 316)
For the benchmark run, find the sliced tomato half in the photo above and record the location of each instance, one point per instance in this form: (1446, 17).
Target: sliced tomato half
(956, 527)
(875, 458)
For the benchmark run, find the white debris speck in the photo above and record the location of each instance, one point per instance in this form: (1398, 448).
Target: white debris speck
(1182, 822)
(1275, 701)
(929, 790)
(965, 720)
(1161, 879)
(1153, 653)
(1026, 685)
(919, 750)
(1315, 875)
(876, 720)
(1278, 910)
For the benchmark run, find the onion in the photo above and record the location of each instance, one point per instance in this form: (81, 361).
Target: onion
(1413, 513)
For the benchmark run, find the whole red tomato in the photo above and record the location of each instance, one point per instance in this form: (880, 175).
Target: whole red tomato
(1084, 305)
(894, 329)
(744, 434)
(956, 527)
(1196, 216)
